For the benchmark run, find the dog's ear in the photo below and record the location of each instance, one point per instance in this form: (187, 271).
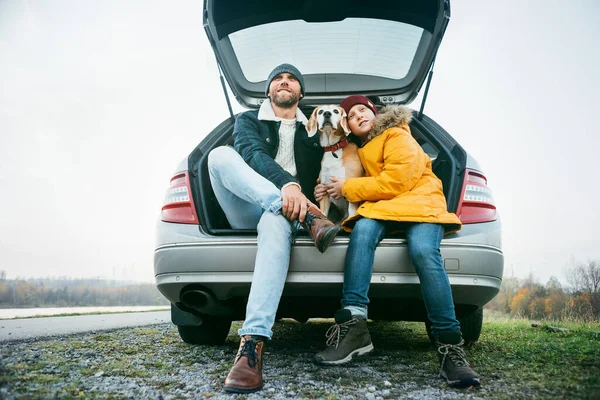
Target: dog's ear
(311, 126)
(344, 121)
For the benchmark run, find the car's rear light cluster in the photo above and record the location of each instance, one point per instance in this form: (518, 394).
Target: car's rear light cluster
(476, 201)
(178, 205)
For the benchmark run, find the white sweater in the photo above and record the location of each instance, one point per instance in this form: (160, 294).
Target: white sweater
(287, 131)
(285, 153)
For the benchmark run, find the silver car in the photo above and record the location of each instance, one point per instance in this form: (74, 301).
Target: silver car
(384, 51)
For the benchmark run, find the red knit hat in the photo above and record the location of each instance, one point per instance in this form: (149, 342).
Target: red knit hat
(355, 99)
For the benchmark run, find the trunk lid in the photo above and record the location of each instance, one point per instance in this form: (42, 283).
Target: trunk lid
(383, 49)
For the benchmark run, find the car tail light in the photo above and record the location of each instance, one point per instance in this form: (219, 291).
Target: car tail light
(178, 205)
(476, 201)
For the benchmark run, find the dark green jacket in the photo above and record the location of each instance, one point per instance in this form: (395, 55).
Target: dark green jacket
(257, 142)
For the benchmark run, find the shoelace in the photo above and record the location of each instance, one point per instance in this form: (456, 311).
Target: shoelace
(456, 354)
(336, 332)
(309, 218)
(249, 350)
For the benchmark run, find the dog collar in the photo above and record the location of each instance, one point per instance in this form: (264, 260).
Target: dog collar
(339, 145)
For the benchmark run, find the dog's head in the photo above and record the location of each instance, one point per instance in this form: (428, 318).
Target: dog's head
(324, 116)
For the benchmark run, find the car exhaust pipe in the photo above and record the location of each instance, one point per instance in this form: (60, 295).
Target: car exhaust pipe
(204, 302)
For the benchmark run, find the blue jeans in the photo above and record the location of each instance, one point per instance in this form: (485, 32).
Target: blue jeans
(424, 249)
(251, 201)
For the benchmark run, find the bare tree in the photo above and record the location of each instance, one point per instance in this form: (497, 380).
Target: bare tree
(585, 278)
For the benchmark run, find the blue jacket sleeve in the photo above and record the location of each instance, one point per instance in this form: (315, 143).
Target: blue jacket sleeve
(253, 148)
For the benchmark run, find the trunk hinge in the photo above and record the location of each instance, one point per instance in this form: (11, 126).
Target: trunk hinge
(426, 90)
(225, 90)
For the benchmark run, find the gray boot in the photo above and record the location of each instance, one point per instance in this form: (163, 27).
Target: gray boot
(454, 366)
(349, 337)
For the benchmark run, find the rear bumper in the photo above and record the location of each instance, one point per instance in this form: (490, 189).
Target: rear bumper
(223, 267)
(474, 290)
(225, 270)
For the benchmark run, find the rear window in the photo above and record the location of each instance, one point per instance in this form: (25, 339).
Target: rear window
(352, 46)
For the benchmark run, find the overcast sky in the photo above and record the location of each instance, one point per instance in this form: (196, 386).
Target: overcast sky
(100, 100)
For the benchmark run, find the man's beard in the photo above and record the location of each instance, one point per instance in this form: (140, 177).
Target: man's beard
(285, 103)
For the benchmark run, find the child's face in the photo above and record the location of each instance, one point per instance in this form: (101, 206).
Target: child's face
(360, 120)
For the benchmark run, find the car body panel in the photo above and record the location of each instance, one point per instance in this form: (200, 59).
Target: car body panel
(169, 234)
(391, 256)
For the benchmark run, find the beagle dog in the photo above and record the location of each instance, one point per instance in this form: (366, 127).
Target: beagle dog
(340, 158)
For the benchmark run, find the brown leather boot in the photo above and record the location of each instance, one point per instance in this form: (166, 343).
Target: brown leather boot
(320, 228)
(246, 374)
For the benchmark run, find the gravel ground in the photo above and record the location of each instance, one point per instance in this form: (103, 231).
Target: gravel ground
(153, 363)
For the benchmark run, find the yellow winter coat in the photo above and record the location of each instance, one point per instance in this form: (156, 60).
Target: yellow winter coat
(399, 184)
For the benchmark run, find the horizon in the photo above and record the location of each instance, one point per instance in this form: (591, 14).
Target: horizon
(564, 283)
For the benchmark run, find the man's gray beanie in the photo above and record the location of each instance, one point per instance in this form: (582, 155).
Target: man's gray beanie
(290, 69)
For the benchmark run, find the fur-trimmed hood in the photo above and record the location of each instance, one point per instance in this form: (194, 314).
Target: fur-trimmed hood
(389, 117)
(399, 184)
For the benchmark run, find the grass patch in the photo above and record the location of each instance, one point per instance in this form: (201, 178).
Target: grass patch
(123, 367)
(220, 369)
(549, 363)
(514, 359)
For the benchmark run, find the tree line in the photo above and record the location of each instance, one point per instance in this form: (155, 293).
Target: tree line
(65, 292)
(530, 299)
(518, 297)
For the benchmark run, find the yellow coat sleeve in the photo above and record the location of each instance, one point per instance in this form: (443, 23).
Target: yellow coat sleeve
(403, 166)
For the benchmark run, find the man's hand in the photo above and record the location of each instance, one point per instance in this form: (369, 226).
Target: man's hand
(294, 203)
(334, 189)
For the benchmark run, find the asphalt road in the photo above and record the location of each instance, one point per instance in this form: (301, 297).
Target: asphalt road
(38, 328)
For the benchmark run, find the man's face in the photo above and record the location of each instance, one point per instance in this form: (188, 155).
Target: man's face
(284, 90)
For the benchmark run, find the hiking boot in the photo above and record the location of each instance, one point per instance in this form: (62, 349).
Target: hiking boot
(349, 337)
(321, 229)
(246, 374)
(454, 366)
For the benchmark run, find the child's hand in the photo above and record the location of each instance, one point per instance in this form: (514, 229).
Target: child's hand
(320, 192)
(334, 189)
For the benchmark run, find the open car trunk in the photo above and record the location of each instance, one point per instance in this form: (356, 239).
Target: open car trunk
(250, 37)
(448, 163)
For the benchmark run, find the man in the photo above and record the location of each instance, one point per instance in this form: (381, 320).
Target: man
(267, 183)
